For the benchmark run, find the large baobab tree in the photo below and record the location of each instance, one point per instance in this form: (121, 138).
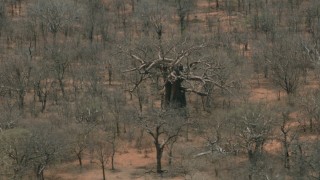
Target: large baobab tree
(177, 67)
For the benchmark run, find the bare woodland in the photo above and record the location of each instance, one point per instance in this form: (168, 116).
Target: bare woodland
(200, 89)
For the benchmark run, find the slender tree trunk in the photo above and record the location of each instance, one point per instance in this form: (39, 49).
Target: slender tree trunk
(170, 155)
(118, 128)
(110, 74)
(12, 10)
(40, 172)
(34, 101)
(44, 103)
(113, 150)
(287, 160)
(132, 5)
(159, 150)
(182, 24)
(91, 33)
(311, 124)
(21, 99)
(112, 161)
(61, 86)
(54, 38)
(79, 156)
(103, 171)
(286, 151)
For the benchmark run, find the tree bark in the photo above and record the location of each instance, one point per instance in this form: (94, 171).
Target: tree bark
(174, 96)
(43, 103)
(79, 156)
(159, 150)
(113, 151)
(21, 99)
(40, 172)
(61, 87)
(103, 172)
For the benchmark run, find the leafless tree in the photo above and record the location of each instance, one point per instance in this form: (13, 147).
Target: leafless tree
(58, 61)
(163, 127)
(15, 77)
(47, 145)
(88, 110)
(299, 159)
(95, 13)
(32, 149)
(102, 151)
(80, 135)
(213, 134)
(110, 132)
(10, 114)
(314, 161)
(310, 108)
(55, 14)
(181, 66)
(14, 146)
(288, 136)
(153, 19)
(286, 63)
(265, 23)
(184, 8)
(3, 15)
(41, 84)
(311, 25)
(254, 129)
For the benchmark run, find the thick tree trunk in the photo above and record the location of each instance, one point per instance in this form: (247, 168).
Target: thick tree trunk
(174, 95)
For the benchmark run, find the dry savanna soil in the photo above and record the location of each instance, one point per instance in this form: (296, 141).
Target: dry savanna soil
(261, 121)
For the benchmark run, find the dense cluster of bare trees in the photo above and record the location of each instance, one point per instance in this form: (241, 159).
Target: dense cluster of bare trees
(81, 78)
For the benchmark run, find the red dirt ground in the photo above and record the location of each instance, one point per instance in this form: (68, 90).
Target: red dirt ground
(129, 165)
(132, 164)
